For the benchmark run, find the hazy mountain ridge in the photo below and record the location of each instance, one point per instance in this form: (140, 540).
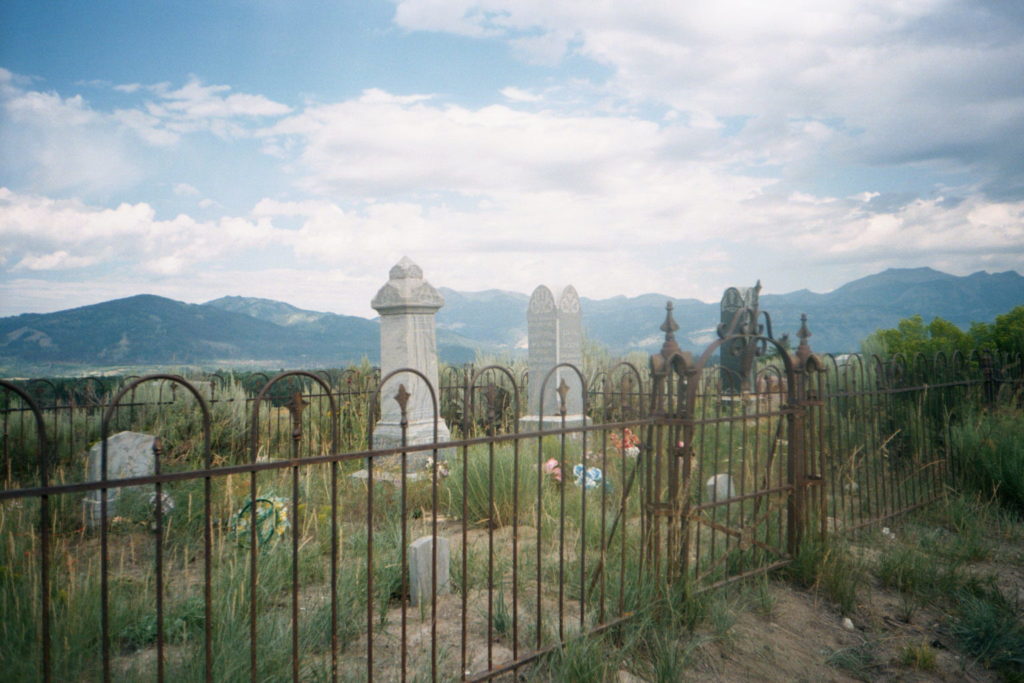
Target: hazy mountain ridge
(233, 330)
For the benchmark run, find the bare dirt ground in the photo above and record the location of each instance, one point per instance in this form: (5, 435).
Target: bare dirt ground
(792, 634)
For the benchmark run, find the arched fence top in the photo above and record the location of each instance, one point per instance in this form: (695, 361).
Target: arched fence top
(473, 385)
(39, 386)
(37, 414)
(544, 386)
(93, 387)
(702, 363)
(175, 381)
(265, 394)
(377, 399)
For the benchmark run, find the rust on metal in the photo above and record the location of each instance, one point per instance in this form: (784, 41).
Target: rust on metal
(829, 444)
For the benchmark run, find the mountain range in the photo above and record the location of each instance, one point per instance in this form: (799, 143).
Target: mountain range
(236, 331)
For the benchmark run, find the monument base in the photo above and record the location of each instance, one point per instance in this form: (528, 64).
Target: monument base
(387, 435)
(533, 423)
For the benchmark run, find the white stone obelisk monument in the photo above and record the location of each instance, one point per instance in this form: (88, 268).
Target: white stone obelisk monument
(408, 339)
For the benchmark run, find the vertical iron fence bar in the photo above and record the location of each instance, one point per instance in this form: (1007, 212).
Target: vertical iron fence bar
(104, 562)
(515, 523)
(369, 538)
(823, 456)
(402, 397)
(436, 404)
(464, 616)
(42, 456)
(583, 512)
(207, 561)
(844, 397)
(896, 491)
(296, 410)
(253, 606)
(538, 617)
(159, 505)
(877, 399)
(561, 519)
(796, 461)
(604, 509)
(335, 420)
(491, 513)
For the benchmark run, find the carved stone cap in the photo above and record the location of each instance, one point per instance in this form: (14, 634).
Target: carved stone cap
(406, 291)
(405, 270)
(543, 300)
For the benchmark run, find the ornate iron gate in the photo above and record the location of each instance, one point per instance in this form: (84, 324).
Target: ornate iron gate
(726, 484)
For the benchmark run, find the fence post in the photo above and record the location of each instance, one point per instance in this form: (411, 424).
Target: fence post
(795, 465)
(990, 382)
(797, 457)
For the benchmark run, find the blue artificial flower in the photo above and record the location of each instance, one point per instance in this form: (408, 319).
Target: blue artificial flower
(591, 479)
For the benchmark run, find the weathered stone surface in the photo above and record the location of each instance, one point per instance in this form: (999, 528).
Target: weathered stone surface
(737, 371)
(720, 487)
(408, 340)
(555, 329)
(129, 454)
(421, 568)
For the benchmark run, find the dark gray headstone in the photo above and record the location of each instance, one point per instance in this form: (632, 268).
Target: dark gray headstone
(737, 367)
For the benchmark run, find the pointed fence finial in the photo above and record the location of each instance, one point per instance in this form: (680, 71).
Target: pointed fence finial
(669, 327)
(804, 334)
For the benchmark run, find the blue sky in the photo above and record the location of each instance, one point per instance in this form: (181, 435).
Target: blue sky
(296, 150)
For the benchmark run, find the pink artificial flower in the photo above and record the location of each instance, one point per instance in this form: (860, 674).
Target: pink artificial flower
(552, 468)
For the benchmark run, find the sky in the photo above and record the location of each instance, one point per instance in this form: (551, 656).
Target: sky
(297, 150)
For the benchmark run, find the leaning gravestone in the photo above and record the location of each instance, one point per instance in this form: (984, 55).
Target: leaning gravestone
(129, 454)
(555, 333)
(407, 304)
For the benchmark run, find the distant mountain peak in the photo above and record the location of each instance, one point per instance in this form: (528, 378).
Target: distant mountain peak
(147, 329)
(270, 310)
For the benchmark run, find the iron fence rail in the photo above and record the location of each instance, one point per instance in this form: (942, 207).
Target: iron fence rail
(549, 532)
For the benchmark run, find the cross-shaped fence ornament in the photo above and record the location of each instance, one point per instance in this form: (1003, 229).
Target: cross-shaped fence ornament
(295, 405)
(563, 391)
(491, 397)
(402, 397)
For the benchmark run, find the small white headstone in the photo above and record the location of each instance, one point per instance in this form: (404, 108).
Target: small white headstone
(421, 565)
(719, 487)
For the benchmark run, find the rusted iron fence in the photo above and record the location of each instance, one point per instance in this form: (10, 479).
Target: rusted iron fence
(267, 541)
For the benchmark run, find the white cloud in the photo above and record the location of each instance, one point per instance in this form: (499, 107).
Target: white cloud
(925, 81)
(49, 234)
(58, 260)
(63, 145)
(519, 95)
(623, 243)
(380, 145)
(195, 102)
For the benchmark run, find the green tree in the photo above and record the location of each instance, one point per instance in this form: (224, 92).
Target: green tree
(911, 336)
(1008, 331)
